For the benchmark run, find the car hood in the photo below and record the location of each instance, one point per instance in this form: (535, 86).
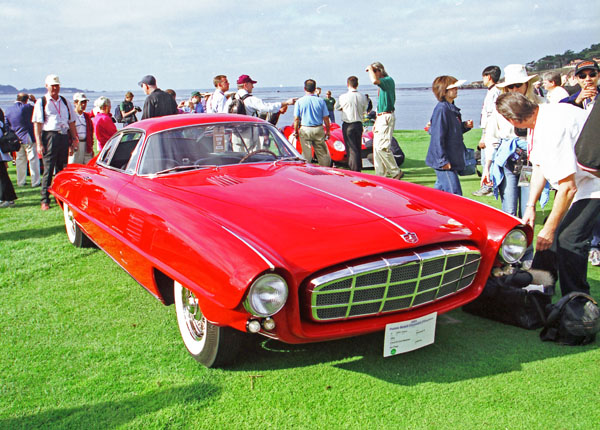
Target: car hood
(313, 217)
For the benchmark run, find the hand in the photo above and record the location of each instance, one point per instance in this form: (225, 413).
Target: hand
(469, 123)
(544, 239)
(529, 217)
(40, 148)
(481, 145)
(586, 93)
(289, 101)
(447, 166)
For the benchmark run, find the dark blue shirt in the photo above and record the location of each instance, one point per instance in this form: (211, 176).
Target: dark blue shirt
(446, 144)
(19, 117)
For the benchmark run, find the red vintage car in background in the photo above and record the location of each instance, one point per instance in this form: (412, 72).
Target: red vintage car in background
(337, 147)
(219, 215)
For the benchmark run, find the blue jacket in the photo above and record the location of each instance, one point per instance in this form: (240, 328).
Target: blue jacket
(19, 117)
(571, 99)
(446, 144)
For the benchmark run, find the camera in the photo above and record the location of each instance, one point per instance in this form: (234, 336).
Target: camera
(138, 109)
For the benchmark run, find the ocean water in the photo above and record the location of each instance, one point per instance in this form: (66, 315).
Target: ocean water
(414, 103)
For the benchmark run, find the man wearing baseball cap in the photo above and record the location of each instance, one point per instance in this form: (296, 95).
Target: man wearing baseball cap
(85, 131)
(586, 73)
(55, 133)
(255, 106)
(158, 102)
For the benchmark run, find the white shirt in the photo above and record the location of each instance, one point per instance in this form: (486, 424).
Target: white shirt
(497, 128)
(489, 106)
(254, 105)
(57, 114)
(218, 103)
(353, 106)
(552, 144)
(81, 126)
(556, 94)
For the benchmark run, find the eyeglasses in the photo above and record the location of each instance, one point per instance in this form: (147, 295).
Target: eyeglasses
(587, 75)
(511, 86)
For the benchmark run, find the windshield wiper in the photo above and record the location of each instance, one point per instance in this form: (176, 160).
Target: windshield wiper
(187, 167)
(292, 158)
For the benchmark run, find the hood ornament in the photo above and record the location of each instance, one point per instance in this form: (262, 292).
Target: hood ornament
(410, 237)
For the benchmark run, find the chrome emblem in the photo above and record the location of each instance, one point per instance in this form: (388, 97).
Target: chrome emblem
(410, 237)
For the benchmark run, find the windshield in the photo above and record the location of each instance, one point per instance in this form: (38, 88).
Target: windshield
(208, 145)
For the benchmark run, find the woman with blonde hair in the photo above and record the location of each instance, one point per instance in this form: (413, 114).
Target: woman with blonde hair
(506, 147)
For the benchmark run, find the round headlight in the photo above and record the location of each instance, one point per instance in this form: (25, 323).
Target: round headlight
(513, 246)
(267, 295)
(339, 146)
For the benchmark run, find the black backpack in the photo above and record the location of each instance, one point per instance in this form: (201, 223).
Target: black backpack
(118, 115)
(237, 105)
(573, 320)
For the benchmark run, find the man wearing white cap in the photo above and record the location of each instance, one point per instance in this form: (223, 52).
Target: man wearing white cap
(55, 133)
(85, 131)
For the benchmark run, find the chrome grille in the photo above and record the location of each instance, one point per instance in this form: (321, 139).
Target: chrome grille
(393, 283)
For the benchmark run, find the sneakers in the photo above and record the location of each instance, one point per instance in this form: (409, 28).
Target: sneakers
(45, 206)
(399, 175)
(594, 256)
(483, 191)
(6, 204)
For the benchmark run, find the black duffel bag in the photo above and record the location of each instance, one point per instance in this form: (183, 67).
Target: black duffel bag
(573, 320)
(504, 299)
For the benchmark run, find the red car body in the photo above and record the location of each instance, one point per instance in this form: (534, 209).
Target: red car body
(218, 228)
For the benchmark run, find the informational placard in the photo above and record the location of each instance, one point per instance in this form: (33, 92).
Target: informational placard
(407, 336)
(219, 139)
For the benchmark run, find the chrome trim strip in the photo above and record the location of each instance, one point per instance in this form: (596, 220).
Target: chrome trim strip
(403, 230)
(245, 242)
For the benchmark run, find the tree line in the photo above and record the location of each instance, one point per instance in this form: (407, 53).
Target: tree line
(561, 60)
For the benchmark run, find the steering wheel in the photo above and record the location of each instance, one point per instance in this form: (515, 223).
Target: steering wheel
(258, 151)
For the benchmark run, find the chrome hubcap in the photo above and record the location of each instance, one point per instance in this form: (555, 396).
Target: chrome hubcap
(194, 320)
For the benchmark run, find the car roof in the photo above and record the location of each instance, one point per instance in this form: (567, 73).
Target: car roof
(161, 123)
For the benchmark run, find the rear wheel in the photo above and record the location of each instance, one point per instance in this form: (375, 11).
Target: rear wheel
(74, 233)
(211, 345)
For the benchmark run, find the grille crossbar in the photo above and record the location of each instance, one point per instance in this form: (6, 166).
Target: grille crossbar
(393, 283)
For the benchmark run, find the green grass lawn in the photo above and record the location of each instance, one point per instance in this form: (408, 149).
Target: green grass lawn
(83, 346)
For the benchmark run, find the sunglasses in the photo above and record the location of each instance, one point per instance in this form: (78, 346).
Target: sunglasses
(586, 75)
(511, 86)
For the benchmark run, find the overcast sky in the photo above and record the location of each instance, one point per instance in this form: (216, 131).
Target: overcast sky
(110, 45)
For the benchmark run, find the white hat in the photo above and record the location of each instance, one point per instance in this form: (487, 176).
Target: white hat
(456, 84)
(516, 74)
(80, 97)
(52, 80)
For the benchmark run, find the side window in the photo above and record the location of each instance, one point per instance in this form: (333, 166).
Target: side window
(108, 149)
(124, 152)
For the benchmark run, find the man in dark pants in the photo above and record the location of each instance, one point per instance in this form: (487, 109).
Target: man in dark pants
(158, 102)
(55, 133)
(353, 106)
(563, 242)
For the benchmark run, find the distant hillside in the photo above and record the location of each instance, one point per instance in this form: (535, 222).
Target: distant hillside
(561, 60)
(9, 89)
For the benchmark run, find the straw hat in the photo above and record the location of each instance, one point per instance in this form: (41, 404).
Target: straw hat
(516, 74)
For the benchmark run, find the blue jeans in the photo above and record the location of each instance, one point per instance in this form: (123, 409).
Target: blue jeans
(510, 194)
(447, 180)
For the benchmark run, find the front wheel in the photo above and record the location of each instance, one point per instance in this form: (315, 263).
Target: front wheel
(74, 233)
(211, 345)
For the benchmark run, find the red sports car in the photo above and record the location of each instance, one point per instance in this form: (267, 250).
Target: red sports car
(219, 215)
(337, 148)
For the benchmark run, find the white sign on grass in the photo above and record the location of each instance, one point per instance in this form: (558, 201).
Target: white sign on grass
(407, 336)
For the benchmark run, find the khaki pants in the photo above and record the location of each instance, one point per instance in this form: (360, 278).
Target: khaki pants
(383, 158)
(28, 152)
(314, 137)
(81, 156)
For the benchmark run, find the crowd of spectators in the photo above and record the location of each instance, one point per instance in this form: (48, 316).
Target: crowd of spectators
(530, 129)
